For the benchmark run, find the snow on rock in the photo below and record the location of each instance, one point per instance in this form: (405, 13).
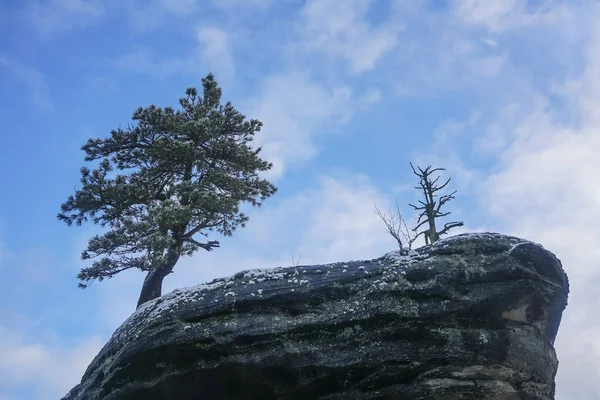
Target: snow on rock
(483, 307)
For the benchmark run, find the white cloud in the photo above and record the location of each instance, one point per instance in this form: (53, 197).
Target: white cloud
(342, 221)
(32, 79)
(340, 29)
(543, 185)
(494, 138)
(217, 51)
(52, 369)
(505, 42)
(497, 16)
(440, 56)
(294, 110)
(545, 189)
(51, 17)
(546, 192)
(213, 50)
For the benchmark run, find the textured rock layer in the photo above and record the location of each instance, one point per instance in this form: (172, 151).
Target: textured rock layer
(470, 317)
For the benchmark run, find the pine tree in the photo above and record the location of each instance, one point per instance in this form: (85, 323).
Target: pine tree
(161, 182)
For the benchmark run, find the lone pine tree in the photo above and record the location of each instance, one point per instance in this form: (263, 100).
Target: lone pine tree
(431, 205)
(184, 173)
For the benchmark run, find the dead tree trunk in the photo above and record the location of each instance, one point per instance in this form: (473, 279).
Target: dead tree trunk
(430, 206)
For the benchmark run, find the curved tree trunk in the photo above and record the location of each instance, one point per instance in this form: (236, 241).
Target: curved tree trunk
(152, 286)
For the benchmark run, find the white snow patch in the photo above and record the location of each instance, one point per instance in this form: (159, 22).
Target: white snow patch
(514, 246)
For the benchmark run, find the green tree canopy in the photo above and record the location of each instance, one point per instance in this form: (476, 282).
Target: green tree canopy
(161, 182)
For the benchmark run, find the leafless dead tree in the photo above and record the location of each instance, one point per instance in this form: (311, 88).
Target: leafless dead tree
(396, 226)
(430, 208)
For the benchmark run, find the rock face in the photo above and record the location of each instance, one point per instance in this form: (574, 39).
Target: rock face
(471, 317)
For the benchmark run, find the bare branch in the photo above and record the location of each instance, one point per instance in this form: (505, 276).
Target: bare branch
(444, 199)
(392, 226)
(420, 224)
(431, 205)
(441, 187)
(397, 228)
(206, 246)
(421, 233)
(418, 208)
(449, 226)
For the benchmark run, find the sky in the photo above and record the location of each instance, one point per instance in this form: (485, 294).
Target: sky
(505, 94)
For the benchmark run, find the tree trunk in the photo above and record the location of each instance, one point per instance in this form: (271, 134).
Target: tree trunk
(152, 286)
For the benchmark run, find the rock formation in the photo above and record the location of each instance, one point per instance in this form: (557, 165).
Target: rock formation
(470, 317)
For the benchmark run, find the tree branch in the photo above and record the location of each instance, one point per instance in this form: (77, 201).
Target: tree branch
(419, 224)
(390, 224)
(206, 246)
(449, 226)
(203, 226)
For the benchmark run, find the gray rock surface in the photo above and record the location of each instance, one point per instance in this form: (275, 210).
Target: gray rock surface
(473, 316)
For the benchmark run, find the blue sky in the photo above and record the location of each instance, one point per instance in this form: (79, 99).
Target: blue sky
(504, 94)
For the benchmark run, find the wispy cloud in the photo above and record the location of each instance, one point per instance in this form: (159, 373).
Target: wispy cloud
(52, 17)
(545, 190)
(32, 80)
(51, 368)
(212, 51)
(498, 16)
(216, 51)
(294, 109)
(542, 188)
(340, 29)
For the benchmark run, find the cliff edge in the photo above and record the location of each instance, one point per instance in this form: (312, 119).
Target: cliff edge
(472, 316)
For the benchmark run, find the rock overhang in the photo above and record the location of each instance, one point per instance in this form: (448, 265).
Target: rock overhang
(472, 305)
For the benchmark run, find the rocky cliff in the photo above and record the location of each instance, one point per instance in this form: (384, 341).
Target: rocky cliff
(471, 317)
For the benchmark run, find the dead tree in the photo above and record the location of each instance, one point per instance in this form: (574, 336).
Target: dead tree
(430, 208)
(396, 226)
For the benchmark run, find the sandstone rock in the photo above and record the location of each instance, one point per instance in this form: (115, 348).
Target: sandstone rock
(471, 317)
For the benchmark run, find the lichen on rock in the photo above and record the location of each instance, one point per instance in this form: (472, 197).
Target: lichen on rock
(472, 316)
